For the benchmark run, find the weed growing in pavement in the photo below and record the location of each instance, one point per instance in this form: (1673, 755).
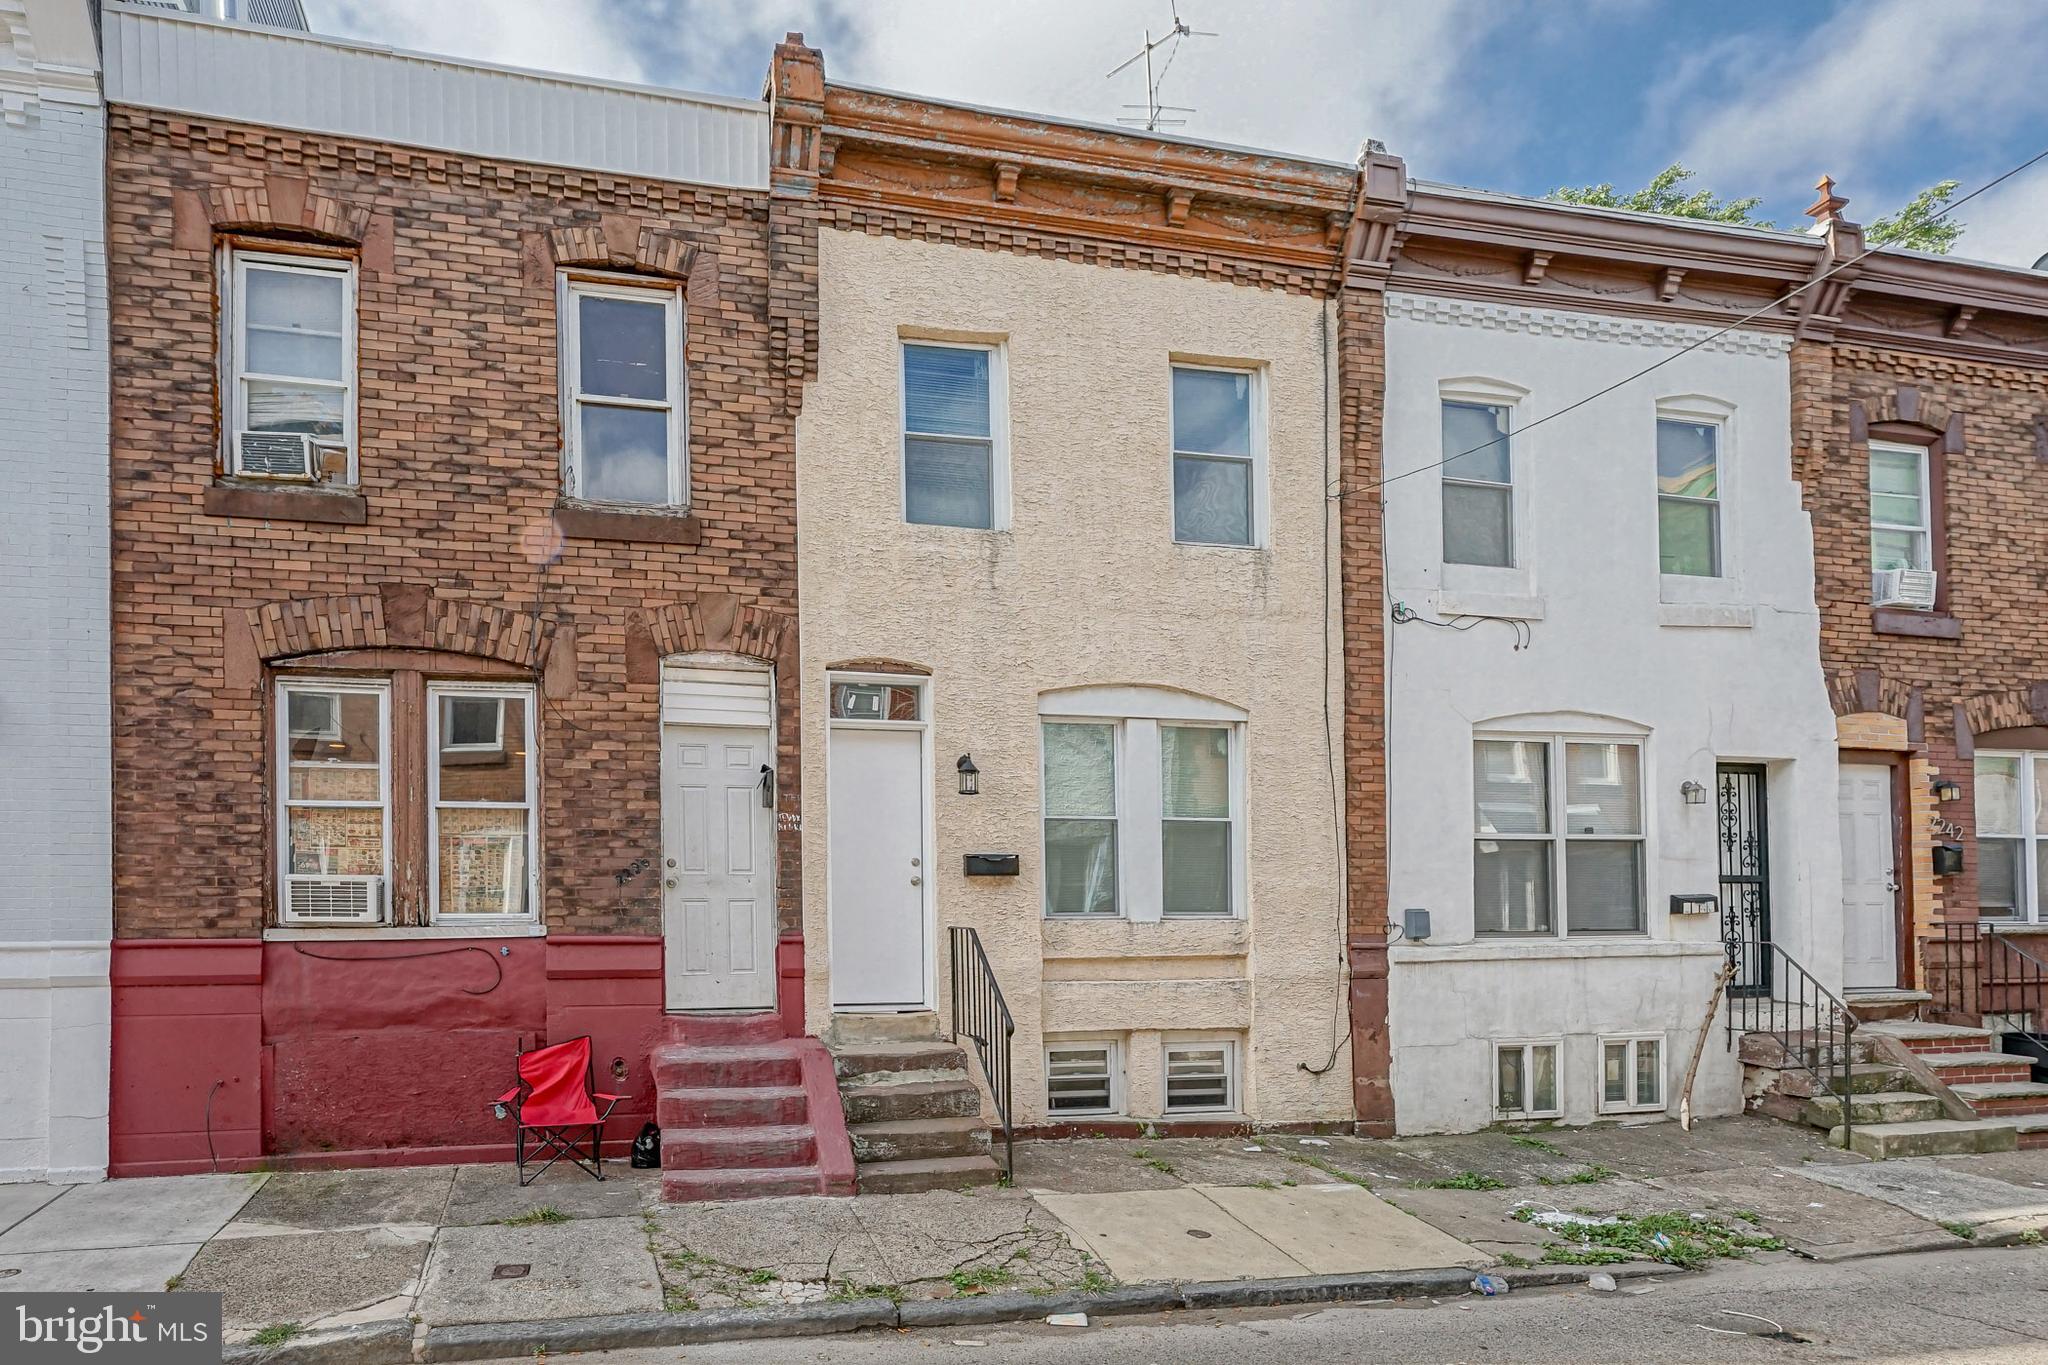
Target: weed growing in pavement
(1145, 1155)
(277, 1334)
(1962, 1230)
(1466, 1180)
(1750, 1216)
(2030, 1238)
(1536, 1144)
(1592, 1175)
(677, 1300)
(1680, 1239)
(1327, 1169)
(1518, 1262)
(973, 1279)
(763, 1276)
(546, 1213)
(1094, 1281)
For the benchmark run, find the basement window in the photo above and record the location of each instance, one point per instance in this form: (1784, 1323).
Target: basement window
(1525, 1080)
(1631, 1075)
(1201, 1077)
(1081, 1078)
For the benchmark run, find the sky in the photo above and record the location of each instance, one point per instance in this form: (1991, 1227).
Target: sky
(1758, 96)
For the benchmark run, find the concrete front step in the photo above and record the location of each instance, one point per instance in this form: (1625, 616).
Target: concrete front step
(697, 1186)
(1871, 1006)
(918, 1139)
(681, 1066)
(889, 1101)
(1932, 1137)
(867, 1059)
(2003, 1098)
(730, 1106)
(939, 1173)
(1865, 1078)
(1899, 1106)
(782, 1144)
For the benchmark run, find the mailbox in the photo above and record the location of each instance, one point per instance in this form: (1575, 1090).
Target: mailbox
(992, 865)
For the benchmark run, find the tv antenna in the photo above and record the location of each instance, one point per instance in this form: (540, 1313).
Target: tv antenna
(1156, 114)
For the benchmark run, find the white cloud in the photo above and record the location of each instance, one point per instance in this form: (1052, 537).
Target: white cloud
(578, 39)
(2008, 224)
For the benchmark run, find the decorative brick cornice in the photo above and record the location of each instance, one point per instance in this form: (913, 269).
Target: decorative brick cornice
(1620, 331)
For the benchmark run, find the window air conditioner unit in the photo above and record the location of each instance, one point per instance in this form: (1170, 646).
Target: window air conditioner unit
(275, 455)
(1904, 588)
(333, 900)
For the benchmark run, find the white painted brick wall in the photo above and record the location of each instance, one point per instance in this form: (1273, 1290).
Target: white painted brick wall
(55, 859)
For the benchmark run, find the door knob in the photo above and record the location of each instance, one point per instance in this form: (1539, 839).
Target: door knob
(917, 862)
(670, 883)
(917, 881)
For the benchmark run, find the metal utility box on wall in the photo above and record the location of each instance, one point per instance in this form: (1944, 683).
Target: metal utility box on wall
(1694, 903)
(992, 865)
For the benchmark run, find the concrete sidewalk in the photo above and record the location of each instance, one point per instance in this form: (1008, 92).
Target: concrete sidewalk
(455, 1249)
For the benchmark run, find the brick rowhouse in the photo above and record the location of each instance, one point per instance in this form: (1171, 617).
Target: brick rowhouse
(455, 556)
(1950, 358)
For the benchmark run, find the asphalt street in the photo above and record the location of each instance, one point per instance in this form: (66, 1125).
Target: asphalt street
(1948, 1307)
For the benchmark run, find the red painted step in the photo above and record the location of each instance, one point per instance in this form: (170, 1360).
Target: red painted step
(739, 1106)
(683, 1066)
(786, 1144)
(687, 1187)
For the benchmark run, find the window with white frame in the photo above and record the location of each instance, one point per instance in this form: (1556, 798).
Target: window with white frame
(480, 801)
(291, 366)
(334, 801)
(952, 474)
(1217, 439)
(2012, 834)
(1558, 822)
(625, 417)
(1901, 517)
(1143, 815)
(1689, 497)
(1200, 1076)
(1525, 1080)
(1083, 1076)
(1631, 1074)
(1478, 484)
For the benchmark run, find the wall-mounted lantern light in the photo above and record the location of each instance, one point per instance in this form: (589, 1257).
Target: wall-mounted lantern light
(1694, 792)
(970, 776)
(1945, 790)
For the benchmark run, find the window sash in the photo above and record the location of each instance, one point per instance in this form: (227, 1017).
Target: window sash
(240, 372)
(528, 847)
(1520, 1066)
(1638, 1077)
(286, 803)
(984, 445)
(1067, 1061)
(1197, 1073)
(1558, 840)
(1250, 460)
(2025, 846)
(672, 404)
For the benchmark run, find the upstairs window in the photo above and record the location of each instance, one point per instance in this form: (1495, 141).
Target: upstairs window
(1216, 456)
(1478, 485)
(950, 450)
(1689, 498)
(1900, 526)
(291, 353)
(624, 411)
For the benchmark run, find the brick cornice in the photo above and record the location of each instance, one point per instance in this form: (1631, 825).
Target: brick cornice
(398, 616)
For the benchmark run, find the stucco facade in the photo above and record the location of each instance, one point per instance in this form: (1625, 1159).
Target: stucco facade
(1581, 636)
(55, 790)
(1086, 588)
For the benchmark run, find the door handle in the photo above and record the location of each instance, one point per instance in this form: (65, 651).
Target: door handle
(917, 881)
(670, 883)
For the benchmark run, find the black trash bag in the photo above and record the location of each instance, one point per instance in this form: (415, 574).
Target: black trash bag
(647, 1149)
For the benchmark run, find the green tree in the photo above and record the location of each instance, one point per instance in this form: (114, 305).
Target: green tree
(1666, 194)
(1915, 225)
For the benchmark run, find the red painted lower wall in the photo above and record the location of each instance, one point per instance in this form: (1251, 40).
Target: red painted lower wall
(237, 1053)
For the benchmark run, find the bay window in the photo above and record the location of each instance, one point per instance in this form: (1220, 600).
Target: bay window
(1558, 822)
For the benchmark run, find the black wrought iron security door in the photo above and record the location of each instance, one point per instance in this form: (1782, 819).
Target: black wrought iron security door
(1745, 843)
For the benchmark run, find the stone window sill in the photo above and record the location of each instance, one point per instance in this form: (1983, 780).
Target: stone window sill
(1935, 625)
(280, 933)
(286, 502)
(1547, 948)
(599, 521)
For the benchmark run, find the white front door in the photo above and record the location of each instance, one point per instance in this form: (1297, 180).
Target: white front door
(718, 869)
(879, 956)
(1869, 880)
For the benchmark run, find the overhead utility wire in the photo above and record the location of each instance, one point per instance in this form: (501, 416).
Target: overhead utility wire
(1691, 346)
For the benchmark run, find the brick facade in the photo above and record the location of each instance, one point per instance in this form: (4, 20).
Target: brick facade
(1928, 684)
(459, 457)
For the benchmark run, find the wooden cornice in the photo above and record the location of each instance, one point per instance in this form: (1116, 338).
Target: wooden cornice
(959, 162)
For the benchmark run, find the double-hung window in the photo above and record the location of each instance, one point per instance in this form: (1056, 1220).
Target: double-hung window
(290, 386)
(951, 473)
(1217, 434)
(1631, 1074)
(334, 801)
(1478, 485)
(1901, 518)
(1558, 822)
(1689, 498)
(481, 807)
(624, 409)
(2012, 835)
(1143, 817)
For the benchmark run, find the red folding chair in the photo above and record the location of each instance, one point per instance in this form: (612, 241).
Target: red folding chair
(555, 1101)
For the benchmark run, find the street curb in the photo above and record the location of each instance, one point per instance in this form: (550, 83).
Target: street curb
(370, 1343)
(392, 1343)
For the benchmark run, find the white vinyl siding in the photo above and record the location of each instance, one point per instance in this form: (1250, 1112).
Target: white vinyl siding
(624, 412)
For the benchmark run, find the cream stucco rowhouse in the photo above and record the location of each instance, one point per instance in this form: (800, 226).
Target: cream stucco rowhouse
(1078, 608)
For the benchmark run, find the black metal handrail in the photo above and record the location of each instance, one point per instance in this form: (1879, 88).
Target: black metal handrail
(1808, 1023)
(1979, 969)
(979, 1010)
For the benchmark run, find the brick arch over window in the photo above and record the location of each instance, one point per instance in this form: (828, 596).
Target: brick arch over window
(716, 623)
(1854, 691)
(2019, 709)
(619, 242)
(1907, 407)
(286, 205)
(396, 616)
